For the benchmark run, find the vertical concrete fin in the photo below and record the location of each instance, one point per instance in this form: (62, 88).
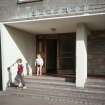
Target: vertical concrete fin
(81, 55)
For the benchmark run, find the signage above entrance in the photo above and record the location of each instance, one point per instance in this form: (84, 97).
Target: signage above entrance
(34, 12)
(27, 1)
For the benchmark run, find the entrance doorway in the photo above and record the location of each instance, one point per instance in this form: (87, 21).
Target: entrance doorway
(58, 52)
(48, 50)
(51, 57)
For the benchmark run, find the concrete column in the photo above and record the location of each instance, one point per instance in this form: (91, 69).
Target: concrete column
(81, 55)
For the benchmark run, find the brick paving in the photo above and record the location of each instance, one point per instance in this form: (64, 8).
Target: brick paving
(20, 99)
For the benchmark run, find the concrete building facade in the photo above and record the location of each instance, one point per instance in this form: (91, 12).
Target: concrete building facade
(70, 35)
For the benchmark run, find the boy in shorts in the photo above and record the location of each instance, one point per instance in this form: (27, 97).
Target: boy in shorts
(39, 64)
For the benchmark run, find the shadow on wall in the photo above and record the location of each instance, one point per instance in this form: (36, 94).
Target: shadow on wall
(10, 83)
(26, 46)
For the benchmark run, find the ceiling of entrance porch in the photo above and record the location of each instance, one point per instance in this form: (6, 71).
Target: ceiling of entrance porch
(60, 25)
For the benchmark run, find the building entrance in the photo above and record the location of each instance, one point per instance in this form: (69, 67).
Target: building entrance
(58, 52)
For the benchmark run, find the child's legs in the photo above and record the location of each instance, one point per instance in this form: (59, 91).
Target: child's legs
(38, 70)
(22, 80)
(17, 79)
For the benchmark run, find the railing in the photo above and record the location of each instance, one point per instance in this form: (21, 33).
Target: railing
(33, 12)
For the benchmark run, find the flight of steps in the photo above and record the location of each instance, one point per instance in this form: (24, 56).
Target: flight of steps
(96, 84)
(62, 90)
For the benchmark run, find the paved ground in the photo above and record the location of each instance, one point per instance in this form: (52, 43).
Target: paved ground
(20, 99)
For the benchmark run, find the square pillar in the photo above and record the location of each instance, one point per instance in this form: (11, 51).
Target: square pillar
(81, 55)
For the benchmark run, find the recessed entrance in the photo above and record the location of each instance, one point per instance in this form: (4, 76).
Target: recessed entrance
(58, 52)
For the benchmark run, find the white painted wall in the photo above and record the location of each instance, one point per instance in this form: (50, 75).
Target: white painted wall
(16, 44)
(81, 55)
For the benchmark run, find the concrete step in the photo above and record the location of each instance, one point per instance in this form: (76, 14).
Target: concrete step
(95, 84)
(55, 83)
(98, 86)
(66, 94)
(65, 90)
(96, 80)
(45, 82)
(66, 87)
(98, 83)
(48, 81)
(63, 87)
(49, 78)
(85, 90)
(59, 82)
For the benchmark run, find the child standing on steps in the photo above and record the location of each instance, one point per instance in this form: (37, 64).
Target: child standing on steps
(19, 78)
(39, 64)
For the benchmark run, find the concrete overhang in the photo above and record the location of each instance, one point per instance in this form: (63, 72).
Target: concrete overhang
(66, 24)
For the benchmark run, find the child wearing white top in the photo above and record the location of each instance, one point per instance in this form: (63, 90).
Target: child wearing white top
(39, 64)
